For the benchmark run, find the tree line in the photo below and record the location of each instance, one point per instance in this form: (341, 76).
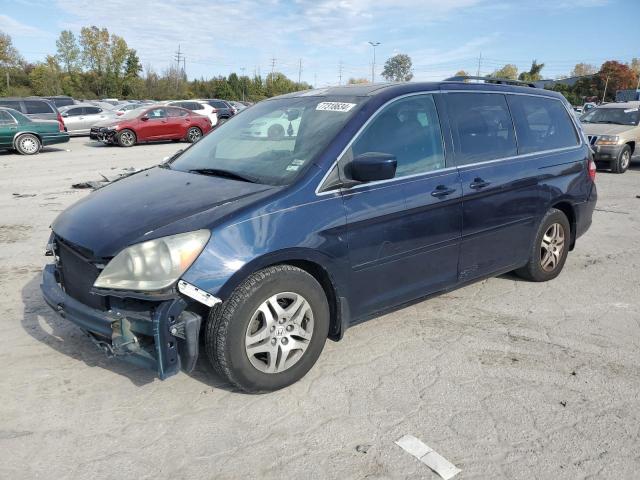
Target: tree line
(100, 64)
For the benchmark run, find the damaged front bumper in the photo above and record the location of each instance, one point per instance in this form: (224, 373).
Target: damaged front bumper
(163, 337)
(103, 134)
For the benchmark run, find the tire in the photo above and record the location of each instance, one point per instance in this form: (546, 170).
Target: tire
(221, 121)
(621, 164)
(126, 138)
(239, 337)
(28, 144)
(275, 132)
(544, 264)
(194, 134)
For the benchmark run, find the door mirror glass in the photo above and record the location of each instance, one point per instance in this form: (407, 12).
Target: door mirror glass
(372, 166)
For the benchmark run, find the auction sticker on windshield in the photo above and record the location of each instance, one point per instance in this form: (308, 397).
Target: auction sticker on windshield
(335, 106)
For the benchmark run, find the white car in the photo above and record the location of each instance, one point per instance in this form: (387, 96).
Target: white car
(201, 108)
(81, 117)
(275, 126)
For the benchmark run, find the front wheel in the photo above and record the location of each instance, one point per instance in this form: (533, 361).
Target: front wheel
(126, 138)
(621, 164)
(194, 134)
(28, 144)
(550, 248)
(271, 331)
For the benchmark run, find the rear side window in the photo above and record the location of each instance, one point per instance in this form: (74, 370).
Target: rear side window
(409, 130)
(36, 106)
(15, 104)
(92, 110)
(6, 119)
(217, 104)
(541, 124)
(74, 112)
(482, 127)
(176, 112)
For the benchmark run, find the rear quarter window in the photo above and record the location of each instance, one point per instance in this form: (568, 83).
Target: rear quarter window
(15, 104)
(36, 106)
(541, 124)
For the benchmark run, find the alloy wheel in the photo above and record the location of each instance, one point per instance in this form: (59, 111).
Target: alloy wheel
(552, 247)
(625, 160)
(194, 135)
(279, 332)
(127, 138)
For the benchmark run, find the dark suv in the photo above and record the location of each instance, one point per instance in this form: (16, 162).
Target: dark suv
(223, 108)
(376, 197)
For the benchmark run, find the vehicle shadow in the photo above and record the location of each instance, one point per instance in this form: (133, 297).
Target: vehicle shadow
(42, 324)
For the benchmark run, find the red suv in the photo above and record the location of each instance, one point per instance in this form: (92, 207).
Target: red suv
(148, 124)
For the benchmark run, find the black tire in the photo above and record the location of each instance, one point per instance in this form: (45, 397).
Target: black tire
(275, 132)
(227, 326)
(194, 134)
(534, 270)
(621, 164)
(127, 138)
(221, 120)
(28, 144)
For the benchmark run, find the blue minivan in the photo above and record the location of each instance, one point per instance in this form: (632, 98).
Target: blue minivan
(259, 247)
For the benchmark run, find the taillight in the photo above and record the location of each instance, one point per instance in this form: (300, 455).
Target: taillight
(591, 168)
(60, 123)
(214, 110)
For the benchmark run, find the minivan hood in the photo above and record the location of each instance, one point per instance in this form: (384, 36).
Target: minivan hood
(149, 204)
(605, 128)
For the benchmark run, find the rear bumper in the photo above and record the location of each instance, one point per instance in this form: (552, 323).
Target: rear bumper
(163, 338)
(53, 139)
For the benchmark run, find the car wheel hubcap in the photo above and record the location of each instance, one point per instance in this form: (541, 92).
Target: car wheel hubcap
(194, 134)
(28, 145)
(127, 138)
(552, 247)
(279, 332)
(626, 158)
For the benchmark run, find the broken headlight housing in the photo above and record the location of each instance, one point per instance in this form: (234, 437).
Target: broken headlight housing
(153, 265)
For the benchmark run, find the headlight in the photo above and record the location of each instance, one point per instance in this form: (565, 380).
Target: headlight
(608, 140)
(153, 265)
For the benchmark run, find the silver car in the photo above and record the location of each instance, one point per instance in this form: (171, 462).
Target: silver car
(80, 118)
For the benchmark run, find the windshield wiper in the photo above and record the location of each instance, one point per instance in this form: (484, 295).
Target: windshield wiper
(219, 172)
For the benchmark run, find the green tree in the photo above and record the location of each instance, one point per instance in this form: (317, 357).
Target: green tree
(509, 71)
(533, 75)
(46, 78)
(398, 68)
(68, 52)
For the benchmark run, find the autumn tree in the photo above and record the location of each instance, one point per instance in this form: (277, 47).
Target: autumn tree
(583, 69)
(509, 71)
(620, 77)
(398, 68)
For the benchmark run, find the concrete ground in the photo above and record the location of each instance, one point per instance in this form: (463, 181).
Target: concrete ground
(504, 378)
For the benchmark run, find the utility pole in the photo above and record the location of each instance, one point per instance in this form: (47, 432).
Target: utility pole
(7, 82)
(340, 73)
(479, 64)
(315, 80)
(605, 88)
(243, 79)
(373, 64)
(273, 65)
(299, 70)
(178, 59)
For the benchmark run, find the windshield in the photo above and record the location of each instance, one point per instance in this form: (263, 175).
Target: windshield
(271, 142)
(617, 116)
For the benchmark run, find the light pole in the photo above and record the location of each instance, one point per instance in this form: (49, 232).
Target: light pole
(242, 70)
(373, 65)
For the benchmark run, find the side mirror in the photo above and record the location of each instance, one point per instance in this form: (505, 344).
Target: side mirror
(373, 166)
(144, 118)
(65, 114)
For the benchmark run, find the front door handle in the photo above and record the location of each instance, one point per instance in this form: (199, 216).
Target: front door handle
(479, 183)
(442, 191)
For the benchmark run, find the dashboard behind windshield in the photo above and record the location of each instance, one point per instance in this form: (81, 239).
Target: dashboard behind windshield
(617, 116)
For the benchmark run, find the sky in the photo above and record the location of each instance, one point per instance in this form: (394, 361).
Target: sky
(327, 37)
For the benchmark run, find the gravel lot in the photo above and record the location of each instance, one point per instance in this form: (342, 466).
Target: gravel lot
(504, 378)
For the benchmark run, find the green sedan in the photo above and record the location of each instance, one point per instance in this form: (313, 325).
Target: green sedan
(28, 136)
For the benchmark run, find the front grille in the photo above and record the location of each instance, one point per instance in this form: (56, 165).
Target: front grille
(592, 139)
(78, 275)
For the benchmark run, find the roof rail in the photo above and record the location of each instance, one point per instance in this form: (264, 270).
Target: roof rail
(506, 81)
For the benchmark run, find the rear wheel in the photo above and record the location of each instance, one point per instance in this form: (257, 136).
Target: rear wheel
(270, 332)
(621, 164)
(28, 144)
(126, 138)
(194, 134)
(550, 248)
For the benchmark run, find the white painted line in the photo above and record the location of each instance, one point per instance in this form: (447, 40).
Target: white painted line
(428, 456)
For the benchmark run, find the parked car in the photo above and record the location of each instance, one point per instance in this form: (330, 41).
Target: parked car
(80, 118)
(148, 124)
(277, 126)
(387, 194)
(239, 106)
(34, 108)
(122, 108)
(61, 100)
(27, 136)
(588, 106)
(223, 108)
(103, 105)
(613, 131)
(201, 108)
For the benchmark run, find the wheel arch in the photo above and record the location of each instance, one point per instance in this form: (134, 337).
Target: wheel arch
(23, 132)
(632, 145)
(569, 211)
(315, 264)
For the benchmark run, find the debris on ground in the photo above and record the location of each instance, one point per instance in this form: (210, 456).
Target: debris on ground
(363, 448)
(563, 403)
(428, 456)
(24, 195)
(96, 184)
